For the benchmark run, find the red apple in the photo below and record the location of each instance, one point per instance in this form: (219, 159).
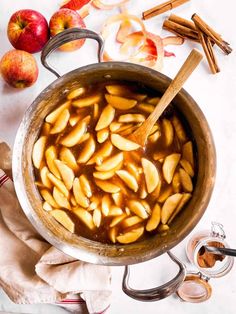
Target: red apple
(28, 30)
(63, 19)
(19, 68)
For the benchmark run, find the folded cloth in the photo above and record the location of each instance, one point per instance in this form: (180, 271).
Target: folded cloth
(32, 271)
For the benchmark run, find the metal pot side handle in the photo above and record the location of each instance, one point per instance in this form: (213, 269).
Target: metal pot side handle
(156, 293)
(66, 36)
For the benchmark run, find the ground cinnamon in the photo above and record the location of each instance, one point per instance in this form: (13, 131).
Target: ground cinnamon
(207, 259)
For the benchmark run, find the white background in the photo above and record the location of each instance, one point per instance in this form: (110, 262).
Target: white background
(215, 94)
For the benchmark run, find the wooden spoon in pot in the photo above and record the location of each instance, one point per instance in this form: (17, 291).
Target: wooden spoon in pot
(141, 134)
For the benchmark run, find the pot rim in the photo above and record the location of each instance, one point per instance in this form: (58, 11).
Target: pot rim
(77, 252)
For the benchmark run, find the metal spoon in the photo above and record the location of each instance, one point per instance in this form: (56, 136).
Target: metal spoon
(141, 134)
(220, 250)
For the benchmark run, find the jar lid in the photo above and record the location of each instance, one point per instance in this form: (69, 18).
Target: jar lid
(195, 288)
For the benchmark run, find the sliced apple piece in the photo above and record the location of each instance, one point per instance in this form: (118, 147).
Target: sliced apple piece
(85, 185)
(61, 122)
(123, 143)
(106, 204)
(129, 130)
(115, 211)
(117, 198)
(151, 174)
(107, 186)
(154, 100)
(79, 195)
(131, 117)
(115, 126)
(51, 156)
(103, 175)
(121, 90)
(44, 177)
(76, 93)
(120, 102)
(73, 201)
(168, 132)
(130, 236)
(116, 220)
(146, 206)
(133, 169)
(103, 152)
(38, 151)
(112, 233)
(176, 183)
(131, 221)
(59, 184)
(179, 130)
(47, 207)
(66, 173)
(154, 137)
(85, 217)
(187, 167)
(186, 197)
(60, 198)
(185, 180)
(128, 179)
(74, 136)
(95, 202)
(146, 107)
(87, 101)
(137, 208)
(165, 193)
(156, 193)
(63, 219)
(87, 151)
(97, 217)
(187, 151)
(143, 190)
(68, 158)
(169, 166)
(111, 162)
(155, 218)
(102, 135)
(47, 196)
(169, 206)
(106, 118)
(53, 116)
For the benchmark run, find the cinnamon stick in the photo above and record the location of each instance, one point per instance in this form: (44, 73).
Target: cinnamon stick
(180, 20)
(161, 8)
(208, 31)
(180, 30)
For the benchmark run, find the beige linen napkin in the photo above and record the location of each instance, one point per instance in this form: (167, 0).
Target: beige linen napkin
(31, 270)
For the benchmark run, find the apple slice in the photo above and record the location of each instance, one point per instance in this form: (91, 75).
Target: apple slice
(187, 167)
(165, 193)
(68, 158)
(102, 135)
(95, 202)
(47, 207)
(79, 195)
(115, 211)
(131, 117)
(151, 174)
(131, 221)
(169, 166)
(146, 206)
(106, 118)
(53, 116)
(63, 219)
(106, 204)
(128, 179)
(61, 200)
(116, 220)
(44, 177)
(104, 175)
(168, 132)
(85, 217)
(111, 163)
(179, 130)
(97, 217)
(66, 173)
(38, 151)
(59, 184)
(76, 93)
(155, 218)
(146, 107)
(87, 151)
(117, 198)
(185, 180)
(122, 143)
(51, 156)
(186, 197)
(133, 169)
(47, 196)
(137, 208)
(169, 206)
(120, 102)
(107, 186)
(187, 151)
(176, 183)
(122, 90)
(154, 137)
(112, 233)
(85, 185)
(115, 126)
(130, 236)
(61, 122)
(103, 152)
(75, 134)
(87, 101)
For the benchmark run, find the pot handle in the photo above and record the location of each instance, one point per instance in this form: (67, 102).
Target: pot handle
(66, 36)
(157, 293)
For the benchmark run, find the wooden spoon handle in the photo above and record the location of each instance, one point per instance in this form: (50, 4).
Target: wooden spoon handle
(185, 71)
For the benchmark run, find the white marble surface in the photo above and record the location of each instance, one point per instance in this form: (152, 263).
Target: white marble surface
(216, 97)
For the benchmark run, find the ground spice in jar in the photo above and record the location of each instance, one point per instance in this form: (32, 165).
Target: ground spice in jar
(207, 259)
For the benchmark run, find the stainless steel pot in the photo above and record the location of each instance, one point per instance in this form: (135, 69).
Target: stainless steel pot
(79, 247)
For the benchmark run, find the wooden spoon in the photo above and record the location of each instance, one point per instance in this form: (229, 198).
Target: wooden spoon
(141, 134)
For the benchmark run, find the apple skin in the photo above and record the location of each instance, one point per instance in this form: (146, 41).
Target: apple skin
(74, 4)
(28, 30)
(19, 68)
(64, 19)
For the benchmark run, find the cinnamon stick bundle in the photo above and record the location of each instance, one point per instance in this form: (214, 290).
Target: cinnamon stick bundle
(161, 8)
